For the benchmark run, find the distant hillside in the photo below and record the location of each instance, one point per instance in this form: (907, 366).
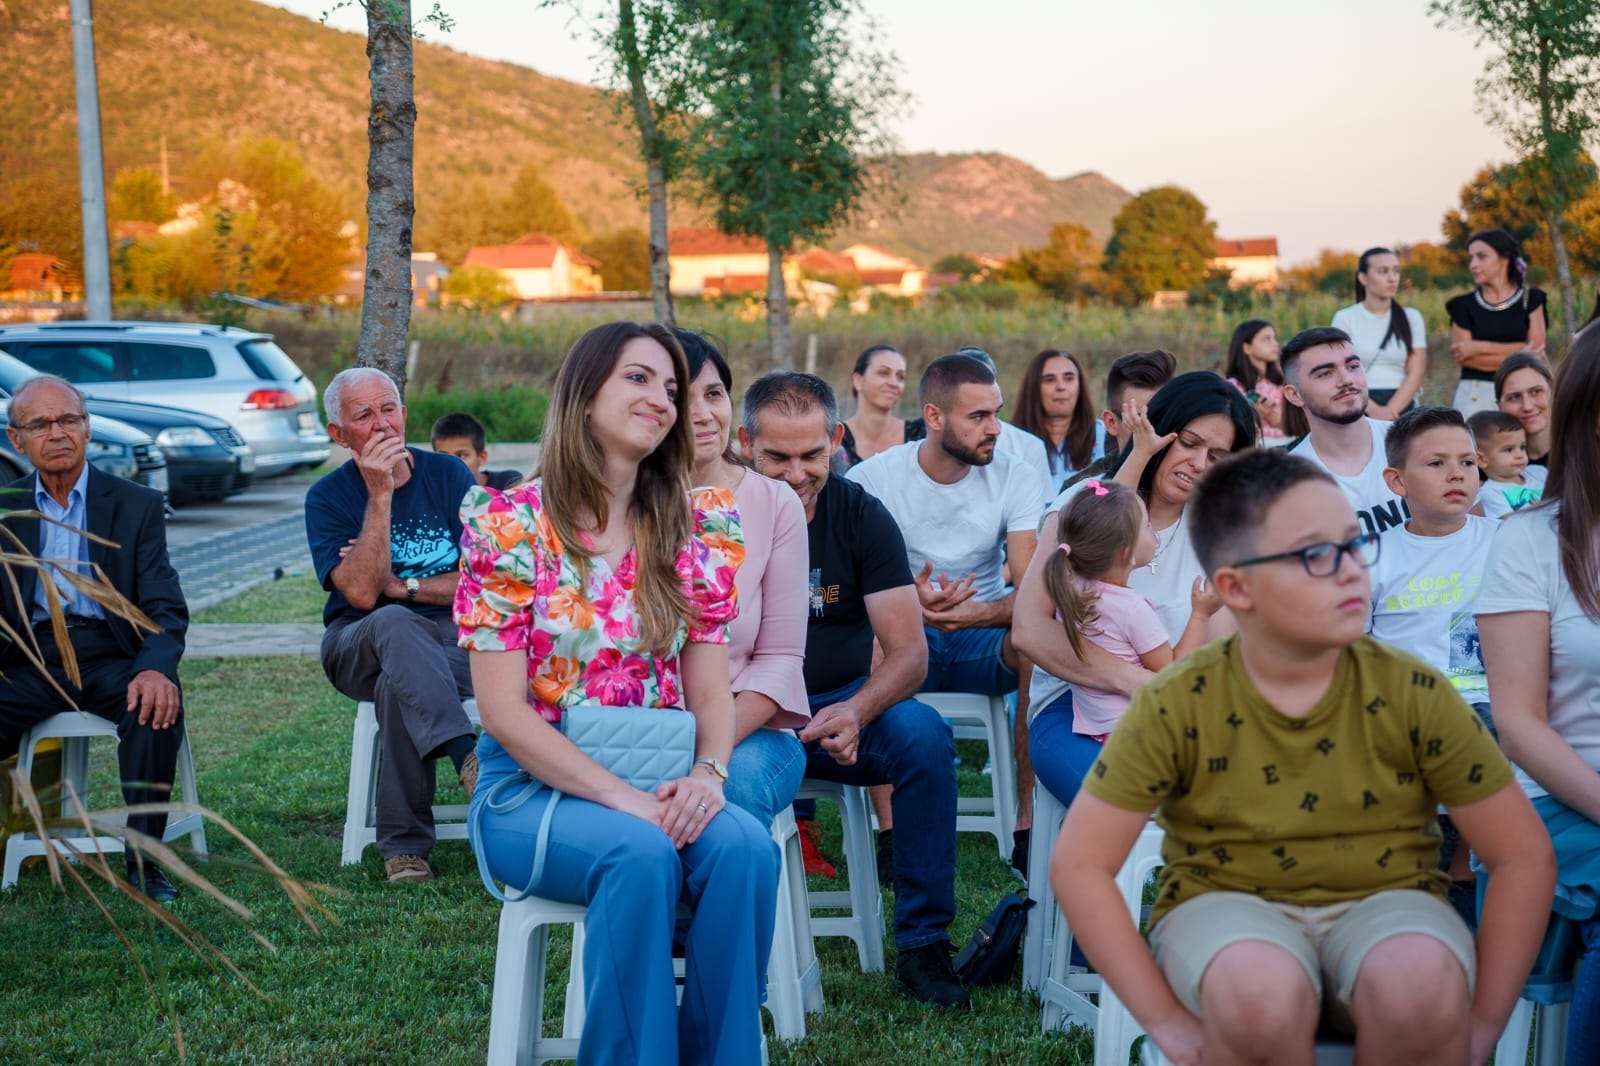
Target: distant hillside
(233, 68)
(983, 204)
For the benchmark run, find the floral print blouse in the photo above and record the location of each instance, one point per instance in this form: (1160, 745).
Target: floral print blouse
(520, 589)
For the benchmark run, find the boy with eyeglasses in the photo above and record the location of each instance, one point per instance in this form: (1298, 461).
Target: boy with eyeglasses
(1296, 769)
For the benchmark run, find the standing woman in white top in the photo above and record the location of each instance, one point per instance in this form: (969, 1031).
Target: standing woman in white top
(1390, 339)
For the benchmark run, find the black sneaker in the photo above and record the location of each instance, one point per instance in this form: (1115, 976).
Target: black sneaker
(886, 858)
(1019, 852)
(925, 975)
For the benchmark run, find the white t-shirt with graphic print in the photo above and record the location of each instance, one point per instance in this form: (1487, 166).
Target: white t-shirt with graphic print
(1423, 593)
(1378, 508)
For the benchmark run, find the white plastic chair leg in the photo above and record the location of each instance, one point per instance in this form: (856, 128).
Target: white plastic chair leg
(361, 812)
(974, 716)
(863, 899)
(794, 974)
(1039, 939)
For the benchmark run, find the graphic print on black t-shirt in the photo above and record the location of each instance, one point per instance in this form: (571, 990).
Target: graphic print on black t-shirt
(856, 550)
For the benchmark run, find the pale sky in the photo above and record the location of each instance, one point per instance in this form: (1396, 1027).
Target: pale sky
(1324, 124)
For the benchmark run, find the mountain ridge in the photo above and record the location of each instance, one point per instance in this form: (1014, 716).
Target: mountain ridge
(244, 69)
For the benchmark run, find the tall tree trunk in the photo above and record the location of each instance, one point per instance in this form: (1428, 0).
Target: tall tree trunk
(654, 164)
(777, 309)
(391, 126)
(1568, 321)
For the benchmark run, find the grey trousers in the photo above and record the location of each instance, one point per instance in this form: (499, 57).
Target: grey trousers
(409, 666)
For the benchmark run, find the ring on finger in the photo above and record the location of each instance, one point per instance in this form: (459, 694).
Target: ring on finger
(705, 807)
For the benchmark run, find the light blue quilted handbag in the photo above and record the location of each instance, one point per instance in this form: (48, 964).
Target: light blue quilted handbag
(644, 746)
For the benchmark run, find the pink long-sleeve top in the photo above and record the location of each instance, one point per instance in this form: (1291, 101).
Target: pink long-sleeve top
(767, 641)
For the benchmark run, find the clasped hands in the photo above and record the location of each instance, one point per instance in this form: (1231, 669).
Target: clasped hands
(948, 605)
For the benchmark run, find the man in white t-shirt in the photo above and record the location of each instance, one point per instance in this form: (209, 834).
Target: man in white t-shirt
(964, 509)
(1016, 442)
(1323, 376)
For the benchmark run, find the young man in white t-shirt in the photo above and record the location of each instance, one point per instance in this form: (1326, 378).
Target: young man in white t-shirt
(965, 510)
(1324, 377)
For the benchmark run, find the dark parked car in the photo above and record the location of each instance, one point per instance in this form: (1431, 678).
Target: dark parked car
(207, 459)
(114, 447)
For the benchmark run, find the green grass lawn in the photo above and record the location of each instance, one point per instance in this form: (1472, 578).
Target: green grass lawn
(406, 975)
(296, 598)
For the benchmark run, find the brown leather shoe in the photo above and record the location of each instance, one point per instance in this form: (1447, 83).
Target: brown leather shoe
(407, 869)
(469, 772)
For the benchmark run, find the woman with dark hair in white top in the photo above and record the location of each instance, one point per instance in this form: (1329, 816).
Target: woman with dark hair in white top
(1389, 338)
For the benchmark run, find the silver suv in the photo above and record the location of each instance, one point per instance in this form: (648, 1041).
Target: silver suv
(234, 374)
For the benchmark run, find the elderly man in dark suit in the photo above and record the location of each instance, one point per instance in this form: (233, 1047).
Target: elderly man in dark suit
(129, 677)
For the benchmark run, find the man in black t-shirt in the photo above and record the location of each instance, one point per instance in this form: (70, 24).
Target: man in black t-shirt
(866, 727)
(385, 535)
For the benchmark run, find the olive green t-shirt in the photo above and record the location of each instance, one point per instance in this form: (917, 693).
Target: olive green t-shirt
(1334, 806)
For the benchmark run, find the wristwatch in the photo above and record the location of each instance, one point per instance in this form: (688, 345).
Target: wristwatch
(714, 766)
(412, 585)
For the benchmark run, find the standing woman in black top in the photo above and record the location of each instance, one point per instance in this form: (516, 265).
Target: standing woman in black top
(1501, 316)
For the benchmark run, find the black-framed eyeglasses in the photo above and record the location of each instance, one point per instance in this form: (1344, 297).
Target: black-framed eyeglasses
(42, 427)
(1322, 560)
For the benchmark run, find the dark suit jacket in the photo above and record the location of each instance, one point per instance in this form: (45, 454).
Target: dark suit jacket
(134, 518)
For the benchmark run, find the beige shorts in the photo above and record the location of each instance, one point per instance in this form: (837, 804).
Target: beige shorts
(1331, 942)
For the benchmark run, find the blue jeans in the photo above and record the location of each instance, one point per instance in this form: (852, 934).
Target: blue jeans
(966, 660)
(1061, 758)
(765, 772)
(910, 747)
(631, 878)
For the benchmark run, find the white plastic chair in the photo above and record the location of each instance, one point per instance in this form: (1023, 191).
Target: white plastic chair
(974, 716)
(361, 813)
(794, 974)
(1039, 940)
(1067, 995)
(75, 729)
(862, 898)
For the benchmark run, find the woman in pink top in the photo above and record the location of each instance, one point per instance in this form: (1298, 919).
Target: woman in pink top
(767, 641)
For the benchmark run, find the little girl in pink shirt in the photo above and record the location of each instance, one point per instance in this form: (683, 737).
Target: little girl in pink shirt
(1105, 533)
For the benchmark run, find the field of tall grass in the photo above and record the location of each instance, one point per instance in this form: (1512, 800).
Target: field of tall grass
(468, 353)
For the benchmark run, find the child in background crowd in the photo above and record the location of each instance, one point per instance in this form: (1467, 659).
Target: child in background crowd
(1503, 458)
(461, 435)
(1296, 769)
(1105, 533)
(1425, 582)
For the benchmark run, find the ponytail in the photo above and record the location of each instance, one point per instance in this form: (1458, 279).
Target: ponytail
(1098, 527)
(1399, 324)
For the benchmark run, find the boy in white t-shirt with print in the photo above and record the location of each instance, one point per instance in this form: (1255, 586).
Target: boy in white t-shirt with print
(1425, 582)
(1510, 483)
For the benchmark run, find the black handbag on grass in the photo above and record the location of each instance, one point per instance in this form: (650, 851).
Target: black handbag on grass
(991, 954)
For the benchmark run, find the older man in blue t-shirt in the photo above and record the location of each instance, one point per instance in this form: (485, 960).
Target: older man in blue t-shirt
(385, 533)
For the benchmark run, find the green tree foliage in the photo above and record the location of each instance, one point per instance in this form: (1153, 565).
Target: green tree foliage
(1508, 197)
(41, 215)
(958, 263)
(1161, 239)
(478, 288)
(267, 226)
(475, 214)
(624, 256)
(1332, 272)
(1065, 266)
(794, 104)
(1541, 89)
(136, 196)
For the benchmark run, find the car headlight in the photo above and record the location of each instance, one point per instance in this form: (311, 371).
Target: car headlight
(183, 437)
(99, 449)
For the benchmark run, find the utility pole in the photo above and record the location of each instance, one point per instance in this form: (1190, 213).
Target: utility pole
(91, 169)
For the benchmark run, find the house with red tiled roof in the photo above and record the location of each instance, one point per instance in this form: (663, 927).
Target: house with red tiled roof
(539, 267)
(708, 262)
(1253, 260)
(37, 276)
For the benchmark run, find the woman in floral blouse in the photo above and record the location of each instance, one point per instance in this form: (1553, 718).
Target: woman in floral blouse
(597, 582)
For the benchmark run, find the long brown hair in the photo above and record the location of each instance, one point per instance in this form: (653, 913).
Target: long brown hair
(1078, 447)
(1098, 525)
(1574, 458)
(573, 468)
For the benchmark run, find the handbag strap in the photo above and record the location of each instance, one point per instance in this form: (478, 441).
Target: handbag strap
(527, 786)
